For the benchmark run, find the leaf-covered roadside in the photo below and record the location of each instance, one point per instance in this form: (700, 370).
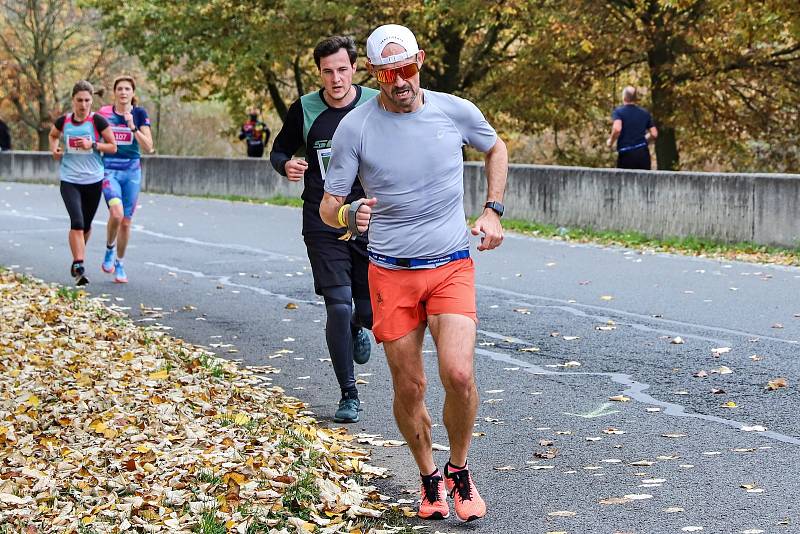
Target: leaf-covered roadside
(109, 427)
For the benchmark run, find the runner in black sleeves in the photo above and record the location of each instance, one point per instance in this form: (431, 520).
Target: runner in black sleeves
(633, 130)
(339, 264)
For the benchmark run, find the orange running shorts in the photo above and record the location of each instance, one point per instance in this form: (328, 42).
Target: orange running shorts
(403, 298)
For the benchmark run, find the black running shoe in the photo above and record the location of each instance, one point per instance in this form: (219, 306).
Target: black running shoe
(78, 273)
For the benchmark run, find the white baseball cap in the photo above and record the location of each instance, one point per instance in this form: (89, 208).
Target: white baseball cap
(390, 33)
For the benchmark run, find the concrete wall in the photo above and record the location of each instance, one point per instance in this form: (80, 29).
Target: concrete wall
(762, 208)
(179, 175)
(28, 167)
(215, 176)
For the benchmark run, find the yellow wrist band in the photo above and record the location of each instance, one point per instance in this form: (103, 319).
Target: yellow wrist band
(342, 215)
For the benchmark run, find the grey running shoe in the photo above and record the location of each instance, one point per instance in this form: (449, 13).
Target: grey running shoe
(361, 347)
(348, 411)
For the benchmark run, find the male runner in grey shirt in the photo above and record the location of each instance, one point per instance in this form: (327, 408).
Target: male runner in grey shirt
(406, 147)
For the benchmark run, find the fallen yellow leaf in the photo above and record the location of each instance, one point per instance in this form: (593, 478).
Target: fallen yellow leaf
(33, 401)
(159, 375)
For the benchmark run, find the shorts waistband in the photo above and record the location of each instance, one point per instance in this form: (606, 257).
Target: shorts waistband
(409, 263)
(629, 148)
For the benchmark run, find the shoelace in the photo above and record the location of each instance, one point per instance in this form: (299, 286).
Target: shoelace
(351, 404)
(461, 484)
(431, 488)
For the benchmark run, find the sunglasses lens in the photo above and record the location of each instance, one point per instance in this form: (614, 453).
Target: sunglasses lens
(408, 71)
(389, 75)
(386, 76)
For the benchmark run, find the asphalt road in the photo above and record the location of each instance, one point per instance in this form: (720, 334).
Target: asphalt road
(719, 452)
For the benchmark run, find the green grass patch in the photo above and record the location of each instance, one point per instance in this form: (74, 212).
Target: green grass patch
(693, 246)
(210, 364)
(68, 293)
(261, 519)
(207, 476)
(209, 524)
(301, 496)
(279, 200)
(293, 440)
(25, 279)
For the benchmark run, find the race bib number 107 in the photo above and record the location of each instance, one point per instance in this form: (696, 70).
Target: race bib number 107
(123, 135)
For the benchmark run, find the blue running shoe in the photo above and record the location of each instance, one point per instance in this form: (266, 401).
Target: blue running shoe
(108, 260)
(120, 277)
(348, 411)
(361, 347)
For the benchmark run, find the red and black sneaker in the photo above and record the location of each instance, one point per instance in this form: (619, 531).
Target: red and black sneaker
(433, 504)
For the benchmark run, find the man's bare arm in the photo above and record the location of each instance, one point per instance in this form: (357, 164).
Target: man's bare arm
(329, 209)
(334, 212)
(496, 164)
(616, 129)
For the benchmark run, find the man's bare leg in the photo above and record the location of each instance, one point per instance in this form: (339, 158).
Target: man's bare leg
(408, 376)
(454, 336)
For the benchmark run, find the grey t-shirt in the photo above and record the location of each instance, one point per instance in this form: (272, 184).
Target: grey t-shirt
(413, 165)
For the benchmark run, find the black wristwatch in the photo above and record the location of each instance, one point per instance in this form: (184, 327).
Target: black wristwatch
(134, 129)
(94, 145)
(497, 207)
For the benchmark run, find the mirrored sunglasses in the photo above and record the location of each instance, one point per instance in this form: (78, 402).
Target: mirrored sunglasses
(390, 75)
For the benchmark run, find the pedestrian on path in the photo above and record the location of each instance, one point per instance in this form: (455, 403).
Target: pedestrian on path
(406, 147)
(123, 171)
(256, 134)
(5, 136)
(339, 263)
(633, 131)
(85, 136)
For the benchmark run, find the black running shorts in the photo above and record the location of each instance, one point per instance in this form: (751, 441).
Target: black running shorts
(338, 263)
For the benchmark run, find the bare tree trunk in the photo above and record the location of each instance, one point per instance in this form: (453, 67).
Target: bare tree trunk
(660, 59)
(43, 136)
(298, 76)
(274, 92)
(42, 130)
